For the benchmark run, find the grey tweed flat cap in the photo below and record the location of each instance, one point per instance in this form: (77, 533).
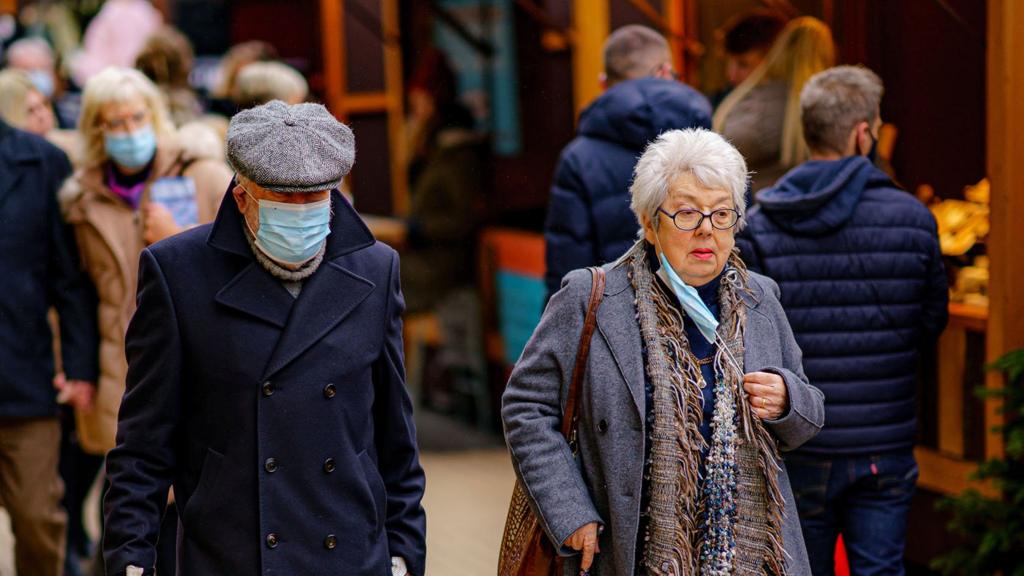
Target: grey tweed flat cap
(298, 148)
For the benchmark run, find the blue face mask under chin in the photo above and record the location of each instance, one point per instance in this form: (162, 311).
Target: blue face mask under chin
(292, 233)
(132, 150)
(691, 301)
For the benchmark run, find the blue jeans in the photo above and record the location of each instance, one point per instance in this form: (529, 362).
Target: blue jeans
(864, 498)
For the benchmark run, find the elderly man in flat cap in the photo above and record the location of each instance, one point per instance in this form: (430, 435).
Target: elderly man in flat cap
(265, 378)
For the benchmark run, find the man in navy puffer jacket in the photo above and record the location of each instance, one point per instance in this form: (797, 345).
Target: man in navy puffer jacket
(589, 221)
(858, 264)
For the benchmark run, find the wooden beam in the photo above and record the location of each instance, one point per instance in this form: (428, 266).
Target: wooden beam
(947, 474)
(395, 103)
(364, 103)
(9, 7)
(332, 31)
(1005, 62)
(591, 21)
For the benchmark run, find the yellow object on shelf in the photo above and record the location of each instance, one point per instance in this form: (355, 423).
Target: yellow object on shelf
(962, 223)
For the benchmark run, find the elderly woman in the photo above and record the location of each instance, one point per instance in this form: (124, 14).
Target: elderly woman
(692, 387)
(139, 183)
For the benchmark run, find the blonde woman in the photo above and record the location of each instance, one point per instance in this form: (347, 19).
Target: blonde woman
(22, 105)
(761, 117)
(138, 185)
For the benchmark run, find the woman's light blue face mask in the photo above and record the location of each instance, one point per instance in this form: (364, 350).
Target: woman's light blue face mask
(131, 150)
(291, 234)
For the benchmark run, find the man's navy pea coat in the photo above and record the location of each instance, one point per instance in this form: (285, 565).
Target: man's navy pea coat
(283, 423)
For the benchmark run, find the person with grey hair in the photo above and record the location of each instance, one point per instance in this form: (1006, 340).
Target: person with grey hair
(265, 377)
(35, 56)
(858, 263)
(588, 220)
(692, 387)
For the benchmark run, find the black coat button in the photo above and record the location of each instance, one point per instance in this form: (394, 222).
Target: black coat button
(271, 540)
(270, 465)
(268, 389)
(602, 426)
(329, 465)
(331, 542)
(329, 391)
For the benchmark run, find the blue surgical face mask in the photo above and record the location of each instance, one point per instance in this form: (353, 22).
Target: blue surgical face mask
(292, 233)
(43, 81)
(132, 150)
(691, 301)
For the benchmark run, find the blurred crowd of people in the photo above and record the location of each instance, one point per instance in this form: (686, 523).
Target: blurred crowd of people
(131, 136)
(120, 149)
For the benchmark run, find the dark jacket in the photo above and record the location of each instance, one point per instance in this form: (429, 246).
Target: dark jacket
(38, 269)
(589, 221)
(862, 281)
(283, 423)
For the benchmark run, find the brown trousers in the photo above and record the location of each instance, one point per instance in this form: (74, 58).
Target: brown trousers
(31, 489)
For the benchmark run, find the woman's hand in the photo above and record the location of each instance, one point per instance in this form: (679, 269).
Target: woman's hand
(767, 394)
(585, 540)
(157, 223)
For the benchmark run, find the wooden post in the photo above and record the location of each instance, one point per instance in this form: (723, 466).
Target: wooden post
(675, 15)
(1005, 45)
(591, 21)
(332, 30)
(395, 106)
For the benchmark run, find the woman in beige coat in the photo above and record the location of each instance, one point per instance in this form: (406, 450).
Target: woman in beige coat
(140, 183)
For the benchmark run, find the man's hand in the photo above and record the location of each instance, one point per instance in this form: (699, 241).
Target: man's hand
(767, 394)
(585, 540)
(157, 223)
(78, 394)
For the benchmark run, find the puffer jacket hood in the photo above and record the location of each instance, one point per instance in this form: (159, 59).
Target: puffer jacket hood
(634, 112)
(819, 196)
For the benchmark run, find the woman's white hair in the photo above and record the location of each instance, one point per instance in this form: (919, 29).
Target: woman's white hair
(710, 158)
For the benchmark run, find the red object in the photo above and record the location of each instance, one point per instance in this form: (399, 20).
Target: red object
(842, 564)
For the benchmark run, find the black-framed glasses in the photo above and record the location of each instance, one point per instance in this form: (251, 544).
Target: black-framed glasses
(689, 219)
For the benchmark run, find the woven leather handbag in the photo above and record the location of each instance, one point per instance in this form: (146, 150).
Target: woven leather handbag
(525, 549)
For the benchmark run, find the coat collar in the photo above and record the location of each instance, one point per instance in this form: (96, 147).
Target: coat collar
(327, 297)
(617, 324)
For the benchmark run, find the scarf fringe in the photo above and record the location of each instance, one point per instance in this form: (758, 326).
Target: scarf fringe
(677, 536)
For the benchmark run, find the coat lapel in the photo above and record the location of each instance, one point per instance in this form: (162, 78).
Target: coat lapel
(255, 292)
(616, 321)
(326, 299)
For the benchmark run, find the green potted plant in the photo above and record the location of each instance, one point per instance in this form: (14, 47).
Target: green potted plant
(992, 529)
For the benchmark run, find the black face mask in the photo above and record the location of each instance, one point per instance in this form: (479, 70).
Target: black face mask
(872, 154)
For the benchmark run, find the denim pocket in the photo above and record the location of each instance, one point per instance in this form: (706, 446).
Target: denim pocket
(895, 474)
(809, 478)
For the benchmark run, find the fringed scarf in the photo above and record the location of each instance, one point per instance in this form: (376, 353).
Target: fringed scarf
(732, 524)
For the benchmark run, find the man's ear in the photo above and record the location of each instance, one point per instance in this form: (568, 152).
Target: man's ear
(602, 79)
(241, 200)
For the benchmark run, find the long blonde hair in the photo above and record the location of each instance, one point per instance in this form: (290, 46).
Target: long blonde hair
(117, 85)
(803, 48)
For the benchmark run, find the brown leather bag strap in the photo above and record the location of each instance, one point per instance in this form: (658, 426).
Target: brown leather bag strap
(570, 416)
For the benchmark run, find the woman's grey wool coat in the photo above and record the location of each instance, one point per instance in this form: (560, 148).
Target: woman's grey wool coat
(603, 483)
